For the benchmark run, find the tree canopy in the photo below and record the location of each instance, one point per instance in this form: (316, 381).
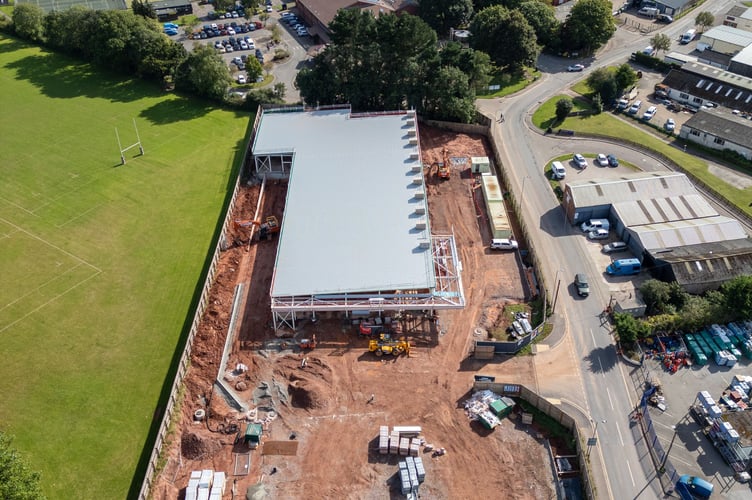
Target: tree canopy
(28, 20)
(17, 480)
(589, 25)
(660, 42)
(542, 18)
(204, 73)
(506, 36)
(444, 14)
(704, 19)
(392, 62)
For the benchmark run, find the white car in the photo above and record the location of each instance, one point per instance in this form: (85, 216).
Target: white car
(579, 160)
(598, 234)
(670, 125)
(558, 171)
(601, 160)
(230, 31)
(243, 45)
(269, 8)
(616, 246)
(575, 68)
(650, 113)
(241, 79)
(503, 244)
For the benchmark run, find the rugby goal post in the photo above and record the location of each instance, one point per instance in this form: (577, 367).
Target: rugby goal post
(136, 144)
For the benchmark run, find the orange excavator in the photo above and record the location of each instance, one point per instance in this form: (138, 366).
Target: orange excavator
(444, 172)
(266, 228)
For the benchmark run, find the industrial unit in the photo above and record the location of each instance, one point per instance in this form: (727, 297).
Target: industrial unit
(355, 235)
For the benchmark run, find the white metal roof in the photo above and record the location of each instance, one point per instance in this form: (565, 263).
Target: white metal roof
(655, 210)
(688, 232)
(727, 34)
(352, 220)
(629, 187)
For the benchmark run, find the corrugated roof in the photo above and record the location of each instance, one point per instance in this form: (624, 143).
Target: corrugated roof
(727, 34)
(655, 210)
(710, 262)
(727, 89)
(688, 232)
(744, 56)
(629, 187)
(350, 222)
(729, 127)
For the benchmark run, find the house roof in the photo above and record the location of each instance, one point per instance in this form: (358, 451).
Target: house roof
(674, 4)
(737, 11)
(629, 187)
(355, 215)
(325, 10)
(709, 262)
(712, 85)
(727, 34)
(725, 125)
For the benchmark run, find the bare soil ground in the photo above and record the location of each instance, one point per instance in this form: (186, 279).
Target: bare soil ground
(333, 406)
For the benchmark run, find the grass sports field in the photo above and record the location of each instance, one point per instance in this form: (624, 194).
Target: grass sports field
(98, 262)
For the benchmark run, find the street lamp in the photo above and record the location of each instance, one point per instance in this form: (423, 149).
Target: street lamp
(665, 457)
(556, 293)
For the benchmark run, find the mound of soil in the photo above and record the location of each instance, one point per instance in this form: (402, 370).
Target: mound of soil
(306, 395)
(194, 447)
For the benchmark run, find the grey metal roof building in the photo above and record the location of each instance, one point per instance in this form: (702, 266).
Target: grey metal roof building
(658, 210)
(697, 84)
(720, 130)
(682, 233)
(355, 234)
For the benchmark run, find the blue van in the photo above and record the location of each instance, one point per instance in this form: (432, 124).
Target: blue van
(624, 267)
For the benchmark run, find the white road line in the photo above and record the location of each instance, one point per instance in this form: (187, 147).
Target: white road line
(612, 405)
(603, 372)
(593, 337)
(619, 433)
(630, 473)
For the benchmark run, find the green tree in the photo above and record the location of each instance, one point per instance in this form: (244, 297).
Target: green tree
(204, 73)
(589, 25)
(450, 97)
(542, 18)
(444, 14)
(143, 8)
(598, 104)
(696, 313)
(660, 42)
(704, 19)
(625, 77)
(738, 297)
(17, 480)
(254, 69)
(474, 63)
(563, 108)
(603, 83)
(28, 20)
(505, 36)
(657, 296)
(628, 328)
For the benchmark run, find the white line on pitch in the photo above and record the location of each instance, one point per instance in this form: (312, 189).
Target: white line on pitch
(630, 473)
(610, 401)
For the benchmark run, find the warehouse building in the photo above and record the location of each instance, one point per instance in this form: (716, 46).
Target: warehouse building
(698, 84)
(720, 130)
(355, 236)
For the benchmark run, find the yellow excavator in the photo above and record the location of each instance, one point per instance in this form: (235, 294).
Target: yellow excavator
(387, 345)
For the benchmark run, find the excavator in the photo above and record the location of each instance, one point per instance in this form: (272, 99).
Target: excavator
(387, 345)
(266, 228)
(444, 172)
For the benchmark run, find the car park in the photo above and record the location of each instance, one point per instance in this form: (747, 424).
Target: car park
(635, 108)
(598, 234)
(503, 244)
(612, 161)
(601, 160)
(575, 68)
(579, 160)
(650, 113)
(670, 125)
(557, 170)
(581, 284)
(616, 246)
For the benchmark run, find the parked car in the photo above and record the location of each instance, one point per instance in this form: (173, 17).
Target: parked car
(579, 160)
(598, 234)
(503, 244)
(616, 246)
(650, 113)
(241, 79)
(612, 161)
(664, 18)
(581, 283)
(601, 160)
(269, 8)
(575, 67)
(670, 125)
(635, 107)
(623, 103)
(557, 170)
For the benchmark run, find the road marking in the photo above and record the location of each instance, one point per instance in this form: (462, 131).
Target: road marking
(612, 405)
(630, 473)
(603, 372)
(593, 337)
(620, 438)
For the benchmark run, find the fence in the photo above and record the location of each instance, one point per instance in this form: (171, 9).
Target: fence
(553, 411)
(182, 369)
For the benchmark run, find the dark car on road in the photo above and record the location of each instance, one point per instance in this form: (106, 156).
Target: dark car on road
(581, 283)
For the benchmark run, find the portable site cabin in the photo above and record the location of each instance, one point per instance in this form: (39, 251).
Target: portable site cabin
(480, 165)
(253, 435)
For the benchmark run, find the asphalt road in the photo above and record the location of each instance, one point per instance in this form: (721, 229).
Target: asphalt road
(606, 393)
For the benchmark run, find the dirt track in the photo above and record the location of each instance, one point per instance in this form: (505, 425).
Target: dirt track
(326, 403)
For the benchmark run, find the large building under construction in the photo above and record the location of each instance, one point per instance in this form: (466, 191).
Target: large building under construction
(355, 235)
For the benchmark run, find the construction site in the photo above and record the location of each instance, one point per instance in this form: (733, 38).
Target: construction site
(334, 330)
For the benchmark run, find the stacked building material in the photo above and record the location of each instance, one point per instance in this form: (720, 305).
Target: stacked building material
(404, 446)
(405, 484)
(414, 447)
(420, 470)
(394, 443)
(384, 439)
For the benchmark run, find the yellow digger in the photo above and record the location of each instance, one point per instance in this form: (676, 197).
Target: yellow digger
(387, 345)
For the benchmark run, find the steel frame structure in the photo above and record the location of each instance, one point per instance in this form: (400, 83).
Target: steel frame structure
(447, 292)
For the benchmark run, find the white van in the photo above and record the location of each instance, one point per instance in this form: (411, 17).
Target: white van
(595, 224)
(558, 171)
(648, 12)
(687, 37)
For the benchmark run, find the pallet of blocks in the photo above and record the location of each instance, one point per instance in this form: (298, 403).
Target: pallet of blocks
(384, 439)
(420, 469)
(405, 484)
(414, 447)
(393, 443)
(404, 446)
